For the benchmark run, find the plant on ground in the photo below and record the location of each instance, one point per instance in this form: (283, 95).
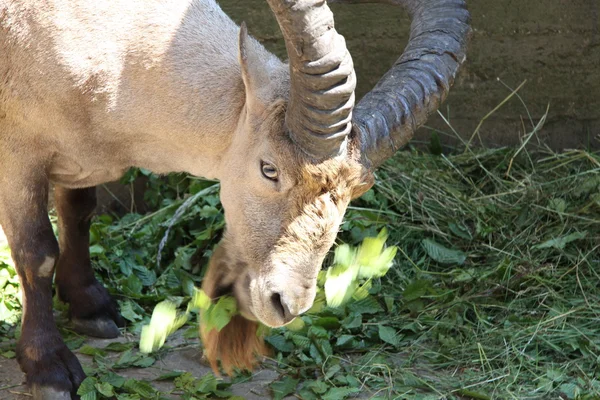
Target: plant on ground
(493, 292)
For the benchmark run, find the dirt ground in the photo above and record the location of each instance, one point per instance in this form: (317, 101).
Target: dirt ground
(186, 357)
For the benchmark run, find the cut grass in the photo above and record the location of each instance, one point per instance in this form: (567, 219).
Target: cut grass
(494, 293)
(520, 317)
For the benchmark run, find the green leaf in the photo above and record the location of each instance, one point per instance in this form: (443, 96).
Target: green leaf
(91, 351)
(127, 358)
(148, 339)
(329, 323)
(144, 362)
(378, 265)
(315, 354)
(300, 341)
(416, 290)
(460, 230)
(331, 371)
(367, 305)
(297, 324)
(319, 387)
(306, 394)
(185, 382)
(147, 277)
(127, 311)
(207, 384)
(352, 321)
(558, 204)
(560, 242)
(113, 379)
(169, 375)
(344, 339)
(442, 254)
(218, 315)
(284, 387)
(8, 354)
(324, 347)
(133, 284)
(119, 347)
(388, 335)
(389, 303)
(340, 393)
(362, 291)
(126, 396)
(105, 389)
(144, 389)
(344, 255)
(280, 343)
(570, 390)
(87, 388)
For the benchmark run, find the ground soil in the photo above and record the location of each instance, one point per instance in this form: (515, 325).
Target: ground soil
(186, 357)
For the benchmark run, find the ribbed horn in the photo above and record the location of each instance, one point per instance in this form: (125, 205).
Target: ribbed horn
(386, 117)
(322, 78)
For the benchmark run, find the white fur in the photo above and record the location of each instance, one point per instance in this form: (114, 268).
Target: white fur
(46, 269)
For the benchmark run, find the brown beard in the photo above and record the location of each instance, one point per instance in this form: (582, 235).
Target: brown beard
(238, 345)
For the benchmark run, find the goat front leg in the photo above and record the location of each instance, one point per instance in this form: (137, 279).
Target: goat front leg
(91, 309)
(52, 371)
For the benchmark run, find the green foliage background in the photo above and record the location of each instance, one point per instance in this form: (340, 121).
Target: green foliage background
(493, 293)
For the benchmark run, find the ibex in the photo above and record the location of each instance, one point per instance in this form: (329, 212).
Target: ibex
(90, 88)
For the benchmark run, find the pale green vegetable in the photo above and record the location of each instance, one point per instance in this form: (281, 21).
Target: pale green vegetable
(349, 277)
(165, 321)
(340, 284)
(199, 301)
(351, 266)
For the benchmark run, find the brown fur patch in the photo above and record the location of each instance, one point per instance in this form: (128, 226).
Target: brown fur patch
(237, 345)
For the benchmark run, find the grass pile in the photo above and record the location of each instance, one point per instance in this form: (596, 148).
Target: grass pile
(496, 284)
(493, 293)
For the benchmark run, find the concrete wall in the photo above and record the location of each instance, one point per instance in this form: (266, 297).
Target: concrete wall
(553, 44)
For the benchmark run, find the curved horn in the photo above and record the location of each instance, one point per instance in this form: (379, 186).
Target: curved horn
(386, 117)
(322, 76)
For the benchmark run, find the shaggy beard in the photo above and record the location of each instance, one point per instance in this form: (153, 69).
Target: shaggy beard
(239, 345)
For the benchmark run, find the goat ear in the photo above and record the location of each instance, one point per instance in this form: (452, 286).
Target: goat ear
(254, 74)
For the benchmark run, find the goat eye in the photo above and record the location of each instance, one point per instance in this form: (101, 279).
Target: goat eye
(269, 171)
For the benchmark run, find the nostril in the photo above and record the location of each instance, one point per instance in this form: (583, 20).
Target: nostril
(280, 306)
(276, 301)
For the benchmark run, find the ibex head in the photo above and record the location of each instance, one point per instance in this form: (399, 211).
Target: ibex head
(302, 150)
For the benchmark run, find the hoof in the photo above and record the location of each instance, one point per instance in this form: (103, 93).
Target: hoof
(52, 370)
(101, 327)
(49, 393)
(92, 311)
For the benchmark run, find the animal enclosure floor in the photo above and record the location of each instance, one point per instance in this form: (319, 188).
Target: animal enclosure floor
(185, 356)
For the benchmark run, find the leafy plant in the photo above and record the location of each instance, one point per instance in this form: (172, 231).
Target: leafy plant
(493, 292)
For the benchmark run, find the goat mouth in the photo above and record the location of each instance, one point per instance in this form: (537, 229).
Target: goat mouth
(241, 292)
(221, 291)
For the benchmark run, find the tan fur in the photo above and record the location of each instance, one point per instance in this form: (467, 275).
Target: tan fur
(89, 88)
(238, 345)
